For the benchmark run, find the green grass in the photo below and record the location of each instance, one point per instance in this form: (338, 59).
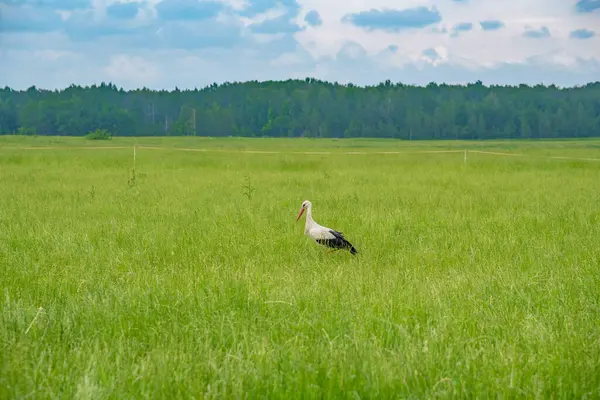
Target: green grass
(476, 281)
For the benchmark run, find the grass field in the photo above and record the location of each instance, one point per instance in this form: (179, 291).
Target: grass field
(477, 280)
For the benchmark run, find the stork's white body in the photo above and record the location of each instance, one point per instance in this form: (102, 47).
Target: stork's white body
(315, 231)
(323, 235)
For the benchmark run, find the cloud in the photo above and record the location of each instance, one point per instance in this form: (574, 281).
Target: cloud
(122, 10)
(431, 54)
(187, 43)
(351, 51)
(491, 25)
(461, 27)
(440, 30)
(191, 10)
(167, 69)
(394, 20)
(281, 24)
(134, 69)
(587, 6)
(256, 7)
(197, 35)
(83, 26)
(52, 4)
(168, 31)
(28, 19)
(312, 18)
(540, 33)
(582, 34)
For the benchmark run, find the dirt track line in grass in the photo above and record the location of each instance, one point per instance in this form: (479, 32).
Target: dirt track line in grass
(65, 147)
(260, 152)
(298, 152)
(574, 158)
(170, 148)
(498, 153)
(208, 150)
(533, 156)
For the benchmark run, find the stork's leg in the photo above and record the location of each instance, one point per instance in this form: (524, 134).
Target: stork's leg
(326, 249)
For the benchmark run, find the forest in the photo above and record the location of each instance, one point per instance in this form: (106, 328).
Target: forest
(308, 108)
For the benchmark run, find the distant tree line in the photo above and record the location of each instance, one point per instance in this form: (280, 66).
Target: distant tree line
(309, 108)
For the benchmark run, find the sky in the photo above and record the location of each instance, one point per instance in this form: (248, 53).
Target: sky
(163, 44)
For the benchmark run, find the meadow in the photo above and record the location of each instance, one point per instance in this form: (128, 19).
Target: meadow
(189, 278)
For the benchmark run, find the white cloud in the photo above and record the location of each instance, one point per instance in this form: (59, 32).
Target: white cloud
(126, 70)
(333, 50)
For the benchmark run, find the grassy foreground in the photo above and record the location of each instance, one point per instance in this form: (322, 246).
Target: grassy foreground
(193, 281)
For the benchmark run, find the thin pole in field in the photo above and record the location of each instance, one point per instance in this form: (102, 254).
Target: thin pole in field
(465, 158)
(194, 121)
(131, 181)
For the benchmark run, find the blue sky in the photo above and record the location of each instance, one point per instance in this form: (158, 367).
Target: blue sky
(192, 43)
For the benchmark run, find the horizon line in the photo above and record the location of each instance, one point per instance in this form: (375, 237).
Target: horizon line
(386, 82)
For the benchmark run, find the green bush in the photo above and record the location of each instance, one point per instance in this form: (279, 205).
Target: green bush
(99, 134)
(26, 131)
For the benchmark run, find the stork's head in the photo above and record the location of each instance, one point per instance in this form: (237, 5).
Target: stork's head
(305, 204)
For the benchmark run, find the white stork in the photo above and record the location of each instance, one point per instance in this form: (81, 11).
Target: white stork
(321, 234)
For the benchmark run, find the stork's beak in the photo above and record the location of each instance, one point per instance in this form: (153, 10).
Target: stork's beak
(300, 214)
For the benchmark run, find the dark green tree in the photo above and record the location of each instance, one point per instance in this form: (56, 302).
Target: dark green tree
(309, 108)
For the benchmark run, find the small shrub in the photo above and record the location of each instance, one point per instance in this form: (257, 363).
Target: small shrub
(25, 131)
(131, 180)
(248, 188)
(99, 134)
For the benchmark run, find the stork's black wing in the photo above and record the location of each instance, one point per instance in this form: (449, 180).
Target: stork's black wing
(338, 242)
